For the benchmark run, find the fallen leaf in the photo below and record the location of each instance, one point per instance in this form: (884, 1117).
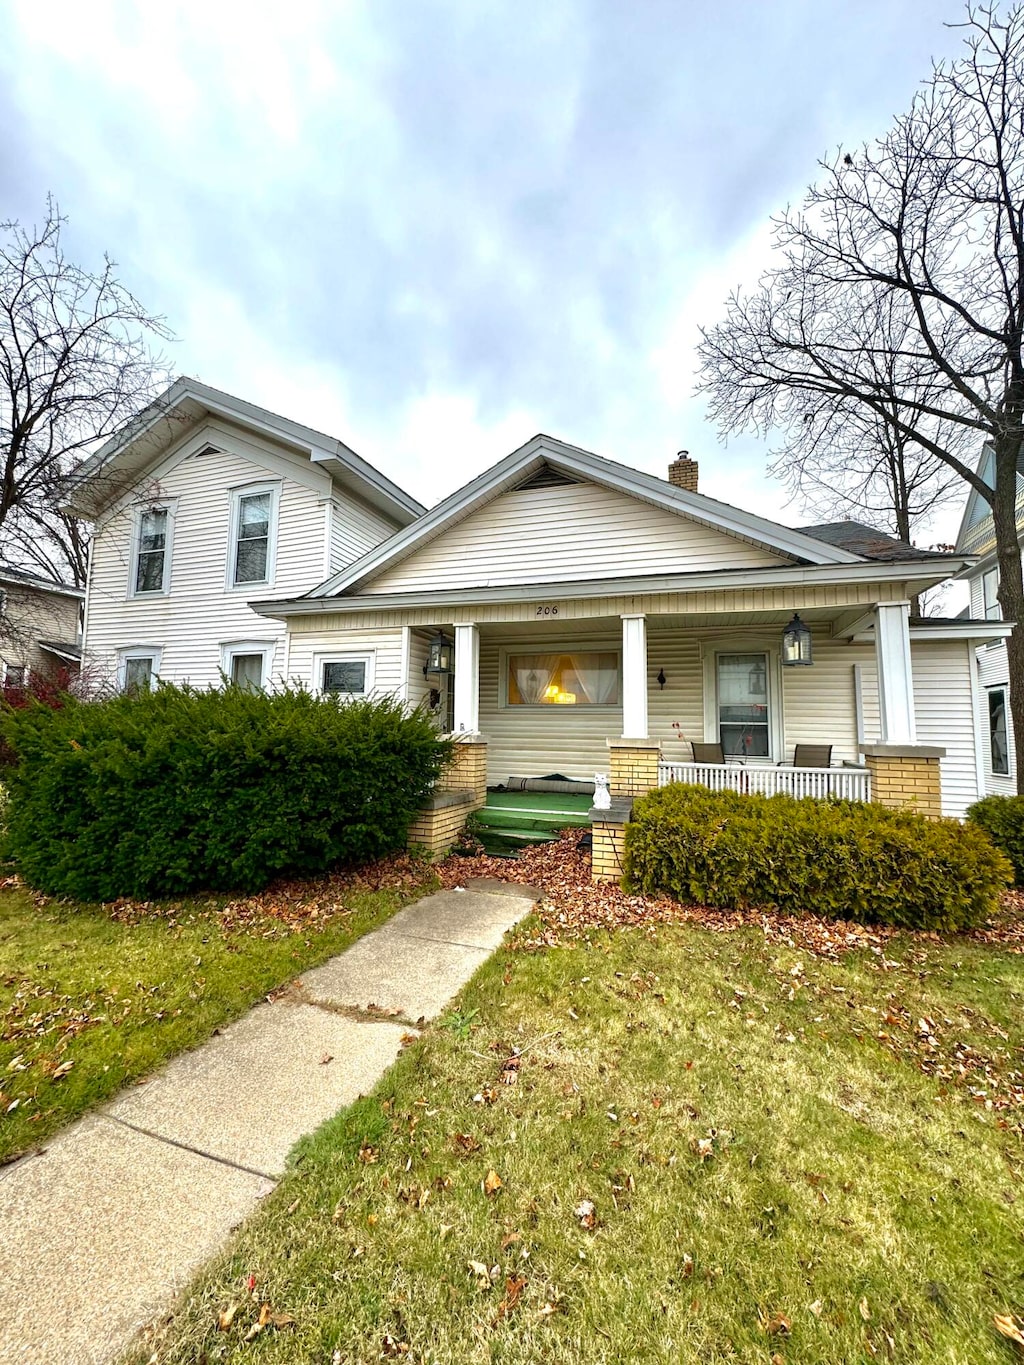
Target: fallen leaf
(865, 1311)
(226, 1317)
(816, 1307)
(778, 1325)
(513, 1288)
(327, 1057)
(492, 1183)
(1007, 1325)
(62, 1070)
(509, 1238)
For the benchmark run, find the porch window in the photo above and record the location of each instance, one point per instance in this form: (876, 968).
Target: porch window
(584, 679)
(345, 675)
(998, 748)
(743, 719)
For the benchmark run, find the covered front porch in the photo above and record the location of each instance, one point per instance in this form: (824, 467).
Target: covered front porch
(630, 696)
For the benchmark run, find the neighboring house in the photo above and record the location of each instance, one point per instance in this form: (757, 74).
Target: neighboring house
(977, 538)
(40, 625)
(600, 619)
(592, 604)
(203, 503)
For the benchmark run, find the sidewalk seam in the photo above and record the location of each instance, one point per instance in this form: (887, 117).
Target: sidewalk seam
(187, 1147)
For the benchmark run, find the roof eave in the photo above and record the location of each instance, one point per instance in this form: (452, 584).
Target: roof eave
(915, 574)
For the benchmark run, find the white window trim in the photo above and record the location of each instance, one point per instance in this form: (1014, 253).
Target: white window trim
(991, 609)
(997, 687)
(368, 657)
(230, 648)
(237, 494)
(154, 652)
(559, 646)
(170, 506)
(27, 673)
(776, 726)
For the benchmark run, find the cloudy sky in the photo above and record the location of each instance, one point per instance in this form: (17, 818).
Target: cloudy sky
(435, 227)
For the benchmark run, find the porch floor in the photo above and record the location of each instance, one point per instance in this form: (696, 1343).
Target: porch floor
(510, 820)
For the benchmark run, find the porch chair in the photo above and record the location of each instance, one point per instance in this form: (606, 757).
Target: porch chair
(811, 756)
(707, 753)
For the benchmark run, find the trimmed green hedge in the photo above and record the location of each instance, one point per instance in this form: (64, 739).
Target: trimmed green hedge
(1002, 819)
(841, 859)
(177, 790)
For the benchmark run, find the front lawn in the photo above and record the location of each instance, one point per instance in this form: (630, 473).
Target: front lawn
(676, 1142)
(93, 997)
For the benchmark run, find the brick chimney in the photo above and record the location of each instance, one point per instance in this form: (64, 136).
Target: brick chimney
(682, 472)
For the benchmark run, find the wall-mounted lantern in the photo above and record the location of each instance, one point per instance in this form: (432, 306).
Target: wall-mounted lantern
(796, 644)
(439, 659)
(757, 679)
(661, 680)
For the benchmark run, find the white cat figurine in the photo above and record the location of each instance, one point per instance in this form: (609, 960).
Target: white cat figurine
(602, 796)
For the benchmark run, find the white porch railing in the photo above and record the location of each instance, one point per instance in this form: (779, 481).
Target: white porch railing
(849, 784)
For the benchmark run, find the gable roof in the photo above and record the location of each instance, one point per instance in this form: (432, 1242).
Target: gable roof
(869, 543)
(23, 578)
(119, 462)
(577, 465)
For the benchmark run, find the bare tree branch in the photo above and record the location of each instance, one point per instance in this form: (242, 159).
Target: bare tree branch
(75, 365)
(887, 343)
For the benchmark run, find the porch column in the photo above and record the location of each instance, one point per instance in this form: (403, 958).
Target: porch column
(633, 759)
(895, 675)
(467, 680)
(634, 677)
(904, 774)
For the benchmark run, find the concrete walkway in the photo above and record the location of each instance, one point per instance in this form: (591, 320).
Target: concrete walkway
(99, 1231)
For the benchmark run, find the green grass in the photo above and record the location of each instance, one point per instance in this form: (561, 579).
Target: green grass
(94, 997)
(773, 1175)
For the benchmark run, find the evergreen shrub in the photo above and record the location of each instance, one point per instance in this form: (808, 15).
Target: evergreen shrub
(1002, 819)
(175, 790)
(841, 859)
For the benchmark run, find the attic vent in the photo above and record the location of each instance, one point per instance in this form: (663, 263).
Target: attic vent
(546, 477)
(206, 450)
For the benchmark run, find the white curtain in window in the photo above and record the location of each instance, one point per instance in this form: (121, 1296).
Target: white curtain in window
(533, 674)
(597, 676)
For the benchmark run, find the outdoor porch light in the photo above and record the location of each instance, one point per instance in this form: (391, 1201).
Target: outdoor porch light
(439, 660)
(796, 644)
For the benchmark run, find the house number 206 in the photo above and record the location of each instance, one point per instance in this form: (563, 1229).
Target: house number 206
(547, 611)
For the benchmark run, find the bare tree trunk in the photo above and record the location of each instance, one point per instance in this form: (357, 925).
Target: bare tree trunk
(1011, 583)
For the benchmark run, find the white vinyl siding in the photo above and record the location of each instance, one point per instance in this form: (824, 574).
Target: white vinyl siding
(574, 532)
(944, 707)
(199, 613)
(993, 671)
(355, 529)
(380, 649)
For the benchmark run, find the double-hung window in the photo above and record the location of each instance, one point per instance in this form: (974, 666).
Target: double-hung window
(998, 747)
(989, 589)
(138, 668)
(253, 533)
(247, 663)
(150, 572)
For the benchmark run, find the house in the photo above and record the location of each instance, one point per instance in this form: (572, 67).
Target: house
(976, 539)
(40, 625)
(201, 504)
(599, 619)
